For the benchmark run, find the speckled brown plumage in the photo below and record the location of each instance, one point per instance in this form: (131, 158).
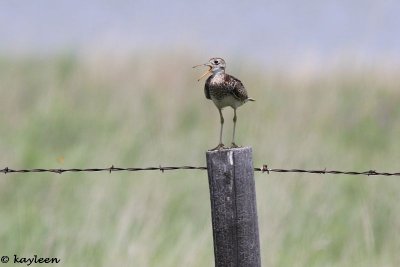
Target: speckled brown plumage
(222, 85)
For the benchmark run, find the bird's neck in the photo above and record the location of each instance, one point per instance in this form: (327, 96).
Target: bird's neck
(217, 77)
(218, 72)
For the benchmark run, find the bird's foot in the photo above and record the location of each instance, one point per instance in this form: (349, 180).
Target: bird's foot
(219, 147)
(234, 145)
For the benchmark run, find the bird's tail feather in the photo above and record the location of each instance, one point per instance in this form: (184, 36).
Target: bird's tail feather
(250, 99)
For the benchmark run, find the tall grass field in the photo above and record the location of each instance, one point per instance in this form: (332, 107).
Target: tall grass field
(82, 111)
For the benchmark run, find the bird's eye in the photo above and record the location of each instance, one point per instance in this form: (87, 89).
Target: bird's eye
(216, 62)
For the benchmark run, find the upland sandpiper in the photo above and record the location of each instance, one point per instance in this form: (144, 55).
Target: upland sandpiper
(224, 90)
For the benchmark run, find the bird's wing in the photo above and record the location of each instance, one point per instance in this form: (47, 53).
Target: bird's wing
(236, 87)
(207, 89)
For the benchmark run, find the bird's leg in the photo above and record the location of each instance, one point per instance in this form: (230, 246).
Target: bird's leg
(220, 145)
(234, 128)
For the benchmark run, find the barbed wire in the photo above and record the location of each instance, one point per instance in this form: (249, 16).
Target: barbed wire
(110, 169)
(263, 169)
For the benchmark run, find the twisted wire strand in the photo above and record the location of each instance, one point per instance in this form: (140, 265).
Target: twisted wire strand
(263, 169)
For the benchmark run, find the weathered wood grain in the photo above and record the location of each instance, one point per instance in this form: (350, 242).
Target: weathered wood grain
(233, 207)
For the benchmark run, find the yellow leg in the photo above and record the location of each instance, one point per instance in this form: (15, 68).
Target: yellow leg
(234, 128)
(220, 145)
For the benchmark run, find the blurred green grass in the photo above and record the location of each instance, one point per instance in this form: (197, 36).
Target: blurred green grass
(76, 110)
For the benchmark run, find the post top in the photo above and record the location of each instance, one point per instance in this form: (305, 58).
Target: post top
(225, 150)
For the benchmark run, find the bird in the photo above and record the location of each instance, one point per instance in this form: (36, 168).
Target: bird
(224, 90)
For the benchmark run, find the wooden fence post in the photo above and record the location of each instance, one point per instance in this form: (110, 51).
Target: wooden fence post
(233, 207)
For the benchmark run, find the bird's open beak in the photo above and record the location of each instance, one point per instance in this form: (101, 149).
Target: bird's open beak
(205, 73)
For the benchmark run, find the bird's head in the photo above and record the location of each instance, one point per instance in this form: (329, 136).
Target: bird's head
(215, 65)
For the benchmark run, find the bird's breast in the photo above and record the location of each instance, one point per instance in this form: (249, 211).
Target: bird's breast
(220, 92)
(217, 80)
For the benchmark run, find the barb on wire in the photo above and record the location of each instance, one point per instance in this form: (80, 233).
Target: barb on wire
(263, 169)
